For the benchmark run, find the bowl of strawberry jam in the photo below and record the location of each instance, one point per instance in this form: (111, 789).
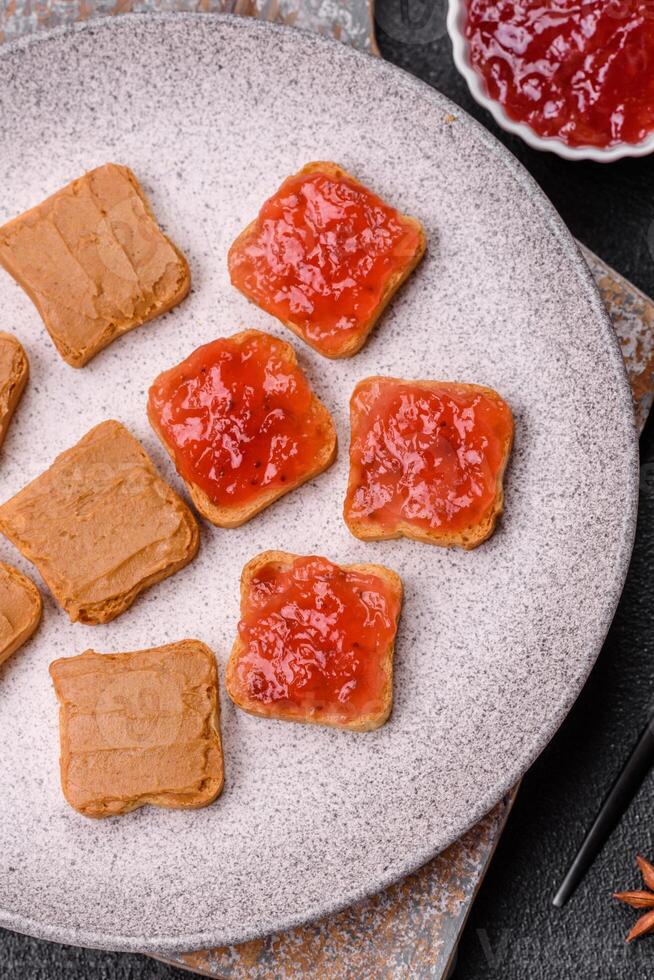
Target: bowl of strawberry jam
(575, 77)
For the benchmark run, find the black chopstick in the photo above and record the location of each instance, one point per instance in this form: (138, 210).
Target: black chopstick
(618, 799)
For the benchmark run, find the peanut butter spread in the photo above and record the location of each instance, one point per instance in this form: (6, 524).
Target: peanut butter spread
(14, 369)
(101, 525)
(20, 610)
(139, 728)
(94, 261)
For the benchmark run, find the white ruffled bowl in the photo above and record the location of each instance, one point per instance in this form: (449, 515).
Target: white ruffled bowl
(456, 25)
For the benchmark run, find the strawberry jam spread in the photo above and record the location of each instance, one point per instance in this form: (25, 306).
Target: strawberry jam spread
(238, 417)
(579, 70)
(320, 255)
(315, 639)
(426, 453)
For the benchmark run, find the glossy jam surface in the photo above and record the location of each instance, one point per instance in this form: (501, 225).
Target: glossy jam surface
(237, 415)
(582, 71)
(320, 254)
(315, 637)
(427, 456)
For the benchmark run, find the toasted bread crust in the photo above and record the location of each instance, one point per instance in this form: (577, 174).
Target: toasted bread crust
(354, 343)
(31, 622)
(365, 723)
(234, 516)
(12, 383)
(114, 806)
(470, 537)
(79, 356)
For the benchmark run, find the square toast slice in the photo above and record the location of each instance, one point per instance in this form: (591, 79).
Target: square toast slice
(265, 432)
(427, 461)
(316, 641)
(20, 610)
(14, 371)
(94, 261)
(326, 256)
(137, 728)
(101, 525)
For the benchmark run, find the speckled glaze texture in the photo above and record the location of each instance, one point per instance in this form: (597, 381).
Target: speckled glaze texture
(493, 646)
(406, 932)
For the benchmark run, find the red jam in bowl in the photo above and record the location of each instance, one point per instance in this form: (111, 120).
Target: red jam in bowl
(580, 71)
(427, 454)
(315, 638)
(238, 417)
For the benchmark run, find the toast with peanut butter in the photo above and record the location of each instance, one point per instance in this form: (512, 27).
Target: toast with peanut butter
(137, 728)
(315, 641)
(326, 256)
(20, 610)
(101, 525)
(94, 261)
(242, 425)
(14, 371)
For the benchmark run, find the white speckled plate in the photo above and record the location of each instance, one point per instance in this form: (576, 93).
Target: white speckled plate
(494, 644)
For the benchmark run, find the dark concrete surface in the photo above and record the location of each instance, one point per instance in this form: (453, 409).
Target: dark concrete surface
(514, 933)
